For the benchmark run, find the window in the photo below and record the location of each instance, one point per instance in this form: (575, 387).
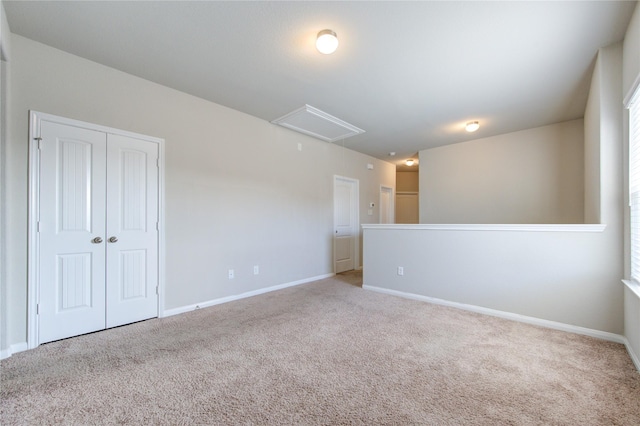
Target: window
(634, 182)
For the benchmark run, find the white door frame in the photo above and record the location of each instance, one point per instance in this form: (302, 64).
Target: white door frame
(33, 280)
(392, 208)
(356, 215)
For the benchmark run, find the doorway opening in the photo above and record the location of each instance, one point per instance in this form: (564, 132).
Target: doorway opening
(346, 236)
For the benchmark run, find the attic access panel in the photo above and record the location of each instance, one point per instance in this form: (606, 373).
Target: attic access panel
(313, 122)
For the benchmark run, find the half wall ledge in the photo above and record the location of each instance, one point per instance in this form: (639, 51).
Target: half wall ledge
(492, 227)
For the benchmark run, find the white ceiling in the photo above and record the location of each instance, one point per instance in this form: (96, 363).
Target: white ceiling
(409, 73)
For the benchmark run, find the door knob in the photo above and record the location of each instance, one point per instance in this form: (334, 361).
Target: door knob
(96, 240)
(113, 239)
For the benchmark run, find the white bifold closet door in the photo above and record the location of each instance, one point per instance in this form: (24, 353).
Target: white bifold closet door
(97, 230)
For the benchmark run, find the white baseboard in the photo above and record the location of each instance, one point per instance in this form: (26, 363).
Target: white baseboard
(13, 349)
(632, 354)
(189, 308)
(612, 337)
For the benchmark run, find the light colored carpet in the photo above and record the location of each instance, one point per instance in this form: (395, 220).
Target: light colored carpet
(327, 352)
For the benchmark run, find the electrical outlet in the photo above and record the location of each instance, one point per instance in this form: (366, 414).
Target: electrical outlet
(400, 270)
(231, 274)
(256, 270)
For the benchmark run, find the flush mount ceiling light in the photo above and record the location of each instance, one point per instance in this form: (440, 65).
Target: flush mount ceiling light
(409, 162)
(327, 42)
(472, 126)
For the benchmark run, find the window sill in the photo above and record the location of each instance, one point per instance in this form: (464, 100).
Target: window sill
(633, 286)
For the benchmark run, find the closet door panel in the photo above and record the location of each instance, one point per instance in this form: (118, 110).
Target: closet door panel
(71, 231)
(132, 234)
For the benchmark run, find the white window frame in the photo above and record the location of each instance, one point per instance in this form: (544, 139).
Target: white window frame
(633, 105)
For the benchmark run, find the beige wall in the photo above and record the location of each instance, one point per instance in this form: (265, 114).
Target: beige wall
(530, 176)
(238, 191)
(631, 53)
(565, 275)
(604, 135)
(407, 205)
(592, 151)
(407, 182)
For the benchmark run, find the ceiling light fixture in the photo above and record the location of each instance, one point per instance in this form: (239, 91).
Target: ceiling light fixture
(472, 126)
(327, 42)
(409, 162)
